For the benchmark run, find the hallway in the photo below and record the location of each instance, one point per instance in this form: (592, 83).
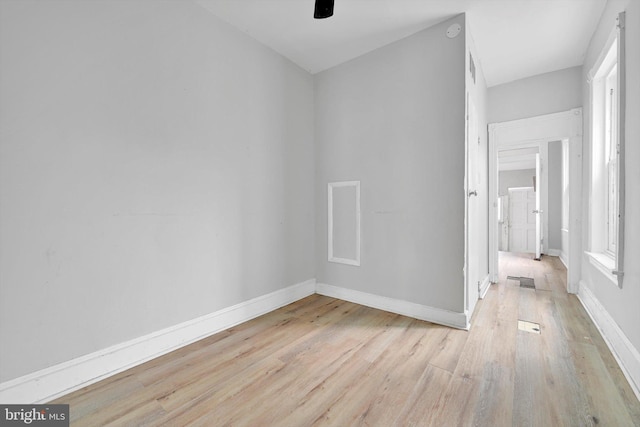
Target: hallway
(566, 375)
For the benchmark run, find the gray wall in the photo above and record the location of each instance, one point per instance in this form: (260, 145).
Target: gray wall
(156, 165)
(555, 196)
(394, 119)
(621, 304)
(515, 178)
(542, 94)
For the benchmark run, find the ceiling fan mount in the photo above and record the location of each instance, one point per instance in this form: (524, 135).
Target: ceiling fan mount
(323, 9)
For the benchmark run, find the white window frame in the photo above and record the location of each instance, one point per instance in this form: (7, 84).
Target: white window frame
(611, 155)
(607, 102)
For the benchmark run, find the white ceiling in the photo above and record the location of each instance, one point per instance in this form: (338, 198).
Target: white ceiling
(514, 38)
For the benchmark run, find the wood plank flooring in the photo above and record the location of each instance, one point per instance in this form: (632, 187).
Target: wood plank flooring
(326, 362)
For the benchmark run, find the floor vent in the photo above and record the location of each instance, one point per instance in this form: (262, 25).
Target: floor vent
(534, 328)
(525, 282)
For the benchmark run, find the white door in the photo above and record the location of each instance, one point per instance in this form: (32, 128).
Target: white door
(473, 210)
(522, 220)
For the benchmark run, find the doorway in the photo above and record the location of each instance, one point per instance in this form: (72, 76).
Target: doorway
(520, 226)
(536, 133)
(522, 220)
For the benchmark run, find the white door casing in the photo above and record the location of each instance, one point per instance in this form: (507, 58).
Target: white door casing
(472, 220)
(503, 221)
(537, 210)
(532, 132)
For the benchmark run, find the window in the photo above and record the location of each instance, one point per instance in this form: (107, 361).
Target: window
(607, 149)
(611, 155)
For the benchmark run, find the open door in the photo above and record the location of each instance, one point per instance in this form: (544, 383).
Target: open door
(537, 210)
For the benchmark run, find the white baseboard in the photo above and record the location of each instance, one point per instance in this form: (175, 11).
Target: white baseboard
(50, 383)
(405, 308)
(559, 254)
(563, 258)
(55, 381)
(623, 350)
(484, 286)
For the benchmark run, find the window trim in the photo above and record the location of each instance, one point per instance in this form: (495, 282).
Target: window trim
(605, 263)
(621, 122)
(601, 254)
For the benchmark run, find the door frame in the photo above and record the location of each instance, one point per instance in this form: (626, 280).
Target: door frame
(538, 132)
(472, 284)
(542, 187)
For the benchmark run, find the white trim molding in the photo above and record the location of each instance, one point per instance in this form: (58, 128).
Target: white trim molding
(50, 383)
(622, 120)
(622, 349)
(604, 263)
(563, 258)
(405, 308)
(484, 286)
(355, 261)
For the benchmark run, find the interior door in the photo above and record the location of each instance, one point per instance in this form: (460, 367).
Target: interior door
(522, 220)
(537, 211)
(473, 210)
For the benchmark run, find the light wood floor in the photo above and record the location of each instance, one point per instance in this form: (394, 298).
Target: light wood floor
(322, 361)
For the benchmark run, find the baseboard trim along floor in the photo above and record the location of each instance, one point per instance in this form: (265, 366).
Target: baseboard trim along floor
(64, 378)
(58, 380)
(624, 352)
(406, 308)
